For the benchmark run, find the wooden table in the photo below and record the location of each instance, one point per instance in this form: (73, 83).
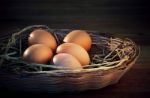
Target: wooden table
(126, 18)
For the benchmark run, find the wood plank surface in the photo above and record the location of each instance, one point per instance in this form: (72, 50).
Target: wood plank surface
(128, 18)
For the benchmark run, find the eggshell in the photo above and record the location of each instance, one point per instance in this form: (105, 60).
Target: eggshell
(79, 37)
(75, 50)
(38, 53)
(67, 61)
(40, 36)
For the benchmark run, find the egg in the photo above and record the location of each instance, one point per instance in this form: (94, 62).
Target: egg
(79, 37)
(37, 53)
(75, 50)
(67, 61)
(40, 36)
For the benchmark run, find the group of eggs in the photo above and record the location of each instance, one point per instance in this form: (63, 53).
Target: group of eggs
(71, 54)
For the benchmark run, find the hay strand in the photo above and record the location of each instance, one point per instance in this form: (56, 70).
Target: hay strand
(106, 51)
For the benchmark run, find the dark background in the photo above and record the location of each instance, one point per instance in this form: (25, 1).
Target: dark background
(128, 18)
(113, 16)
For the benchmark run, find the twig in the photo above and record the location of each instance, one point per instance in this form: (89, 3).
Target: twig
(105, 63)
(113, 57)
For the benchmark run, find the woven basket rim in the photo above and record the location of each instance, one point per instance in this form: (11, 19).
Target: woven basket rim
(102, 68)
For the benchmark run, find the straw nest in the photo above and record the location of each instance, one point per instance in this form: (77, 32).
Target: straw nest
(110, 56)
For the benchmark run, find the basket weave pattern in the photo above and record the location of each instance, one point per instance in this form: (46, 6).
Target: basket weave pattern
(111, 58)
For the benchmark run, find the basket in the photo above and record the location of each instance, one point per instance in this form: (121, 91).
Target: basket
(111, 57)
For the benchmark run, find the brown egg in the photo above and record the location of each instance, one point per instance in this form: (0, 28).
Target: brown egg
(40, 36)
(79, 37)
(37, 53)
(67, 61)
(75, 50)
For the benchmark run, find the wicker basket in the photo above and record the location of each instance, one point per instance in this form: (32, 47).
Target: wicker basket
(108, 64)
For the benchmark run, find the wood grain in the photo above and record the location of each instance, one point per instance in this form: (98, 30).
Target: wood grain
(125, 17)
